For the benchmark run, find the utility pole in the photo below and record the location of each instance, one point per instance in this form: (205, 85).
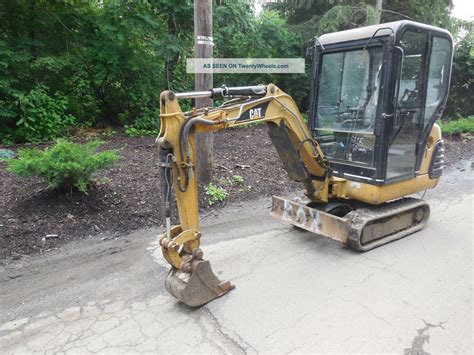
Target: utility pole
(378, 10)
(203, 81)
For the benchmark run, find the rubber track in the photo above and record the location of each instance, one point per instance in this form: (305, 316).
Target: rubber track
(362, 216)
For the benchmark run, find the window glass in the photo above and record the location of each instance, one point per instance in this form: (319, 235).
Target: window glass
(437, 76)
(348, 90)
(402, 150)
(331, 77)
(349, 85)
(413, 44)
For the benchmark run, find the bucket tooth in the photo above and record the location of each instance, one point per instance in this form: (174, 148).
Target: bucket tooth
(197, 288)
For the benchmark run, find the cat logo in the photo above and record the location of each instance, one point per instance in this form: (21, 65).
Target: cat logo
(255, 113)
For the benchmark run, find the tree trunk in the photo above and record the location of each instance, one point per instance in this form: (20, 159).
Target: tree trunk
(203, 81)
(378, 10)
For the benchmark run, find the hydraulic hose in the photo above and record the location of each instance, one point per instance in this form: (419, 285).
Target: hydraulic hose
(165, 157)
(183, 141)
(187, 128)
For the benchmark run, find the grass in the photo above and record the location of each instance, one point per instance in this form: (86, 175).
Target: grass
(462, 125)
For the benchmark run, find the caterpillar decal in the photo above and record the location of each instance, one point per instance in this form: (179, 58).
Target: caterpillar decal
(255, 112)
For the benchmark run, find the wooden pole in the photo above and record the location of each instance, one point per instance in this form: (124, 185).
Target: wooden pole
(203, 81)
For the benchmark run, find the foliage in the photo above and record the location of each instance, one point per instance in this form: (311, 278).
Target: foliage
(118, 61)
(109, 133)
(40, 116)
(234, 180)
(460, 101)
(316, 17)
(215, 194)
(104, 63)
(462, 125)
(65, 165)
(237, 179)
(147, 125)
(240, 30)
(433, 12)
(342, 17)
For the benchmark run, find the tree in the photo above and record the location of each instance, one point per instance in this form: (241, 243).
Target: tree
(460, 101)
(378, 10)
(432, 12)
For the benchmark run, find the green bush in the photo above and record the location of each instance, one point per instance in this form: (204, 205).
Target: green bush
(34, 116)
(65, 165)
(40, 116)
(215, 193)
(146, 125)
(462, 125)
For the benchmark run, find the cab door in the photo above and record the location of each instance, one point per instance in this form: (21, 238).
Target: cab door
(407, 128)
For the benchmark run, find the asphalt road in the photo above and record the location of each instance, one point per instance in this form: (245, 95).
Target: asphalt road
(295, 292)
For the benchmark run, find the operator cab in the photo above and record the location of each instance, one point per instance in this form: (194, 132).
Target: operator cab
(375, 95)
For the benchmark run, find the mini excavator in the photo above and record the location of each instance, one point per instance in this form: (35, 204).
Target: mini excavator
(370, 141)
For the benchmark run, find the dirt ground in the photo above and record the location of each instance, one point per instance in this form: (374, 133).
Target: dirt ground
(131, 198)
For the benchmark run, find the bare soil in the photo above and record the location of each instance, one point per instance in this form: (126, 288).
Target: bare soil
(132, 197)
(34, 219)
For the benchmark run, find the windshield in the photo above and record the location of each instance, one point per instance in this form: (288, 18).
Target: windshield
(349, 84)
(348, 89)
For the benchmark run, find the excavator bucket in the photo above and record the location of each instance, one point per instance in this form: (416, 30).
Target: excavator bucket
(198, 287)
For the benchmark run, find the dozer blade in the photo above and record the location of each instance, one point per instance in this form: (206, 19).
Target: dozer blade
(311, 219)
(364, 228)
(196, 288)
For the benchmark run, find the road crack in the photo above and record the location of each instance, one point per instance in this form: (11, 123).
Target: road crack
(421, 338)
(241, 346)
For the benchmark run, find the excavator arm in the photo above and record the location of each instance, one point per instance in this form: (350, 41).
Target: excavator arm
(191, 279)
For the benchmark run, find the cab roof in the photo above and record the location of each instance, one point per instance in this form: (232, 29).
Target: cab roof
(384, 29)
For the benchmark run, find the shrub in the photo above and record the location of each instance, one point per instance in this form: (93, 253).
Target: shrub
(462, 125)
(215, 193)
(40, 116)
(65, 165)
(146, 125)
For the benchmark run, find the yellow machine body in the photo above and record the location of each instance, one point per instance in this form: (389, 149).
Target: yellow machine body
(370, 142)
(180, 244)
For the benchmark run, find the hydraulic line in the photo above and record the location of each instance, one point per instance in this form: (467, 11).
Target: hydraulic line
(185, 162)
(166, 158)
(184, 139)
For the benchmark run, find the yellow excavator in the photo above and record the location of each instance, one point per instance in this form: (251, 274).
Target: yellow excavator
(370, 141)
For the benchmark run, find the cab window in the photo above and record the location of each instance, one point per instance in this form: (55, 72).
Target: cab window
(349, 86)
(404, 136)
(438, 77)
